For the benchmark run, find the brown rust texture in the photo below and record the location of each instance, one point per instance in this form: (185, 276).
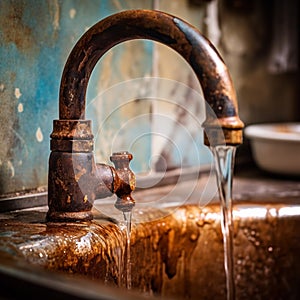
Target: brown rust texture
(90, 249)
(124, 181)
(75, 181)
(72, 177)
(14, 30)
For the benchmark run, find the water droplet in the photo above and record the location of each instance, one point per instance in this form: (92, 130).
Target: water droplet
(193, 237)
(191, 216)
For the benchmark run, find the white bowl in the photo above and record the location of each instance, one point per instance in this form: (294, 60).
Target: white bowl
(276, 147)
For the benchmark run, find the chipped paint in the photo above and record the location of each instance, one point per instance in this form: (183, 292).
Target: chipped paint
(55, 13)
(39, 135)
(20, 107)
(18, 93)
(117, 4)
(11, 168)
(72, 13)
(85, 198)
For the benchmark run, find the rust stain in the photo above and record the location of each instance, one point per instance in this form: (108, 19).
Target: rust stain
(176, 254)
(60, 182)
(81, 172)
(13, 28)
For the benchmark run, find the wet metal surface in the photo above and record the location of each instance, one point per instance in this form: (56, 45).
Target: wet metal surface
(176, 252)
(85, 248)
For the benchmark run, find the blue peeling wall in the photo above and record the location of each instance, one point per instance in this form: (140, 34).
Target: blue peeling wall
(35, 40)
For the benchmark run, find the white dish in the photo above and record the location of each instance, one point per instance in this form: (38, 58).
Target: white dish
(276, 147)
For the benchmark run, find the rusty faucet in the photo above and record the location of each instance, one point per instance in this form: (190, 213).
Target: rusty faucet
(75, 180)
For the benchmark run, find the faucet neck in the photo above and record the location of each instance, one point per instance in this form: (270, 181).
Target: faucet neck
(185, 39)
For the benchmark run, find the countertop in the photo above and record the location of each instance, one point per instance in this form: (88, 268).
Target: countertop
(249, 184)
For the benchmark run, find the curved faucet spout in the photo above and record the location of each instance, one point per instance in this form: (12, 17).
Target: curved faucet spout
(212, 73)
(74, 179)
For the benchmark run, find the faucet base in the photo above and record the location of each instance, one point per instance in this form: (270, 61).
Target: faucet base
(69, 216)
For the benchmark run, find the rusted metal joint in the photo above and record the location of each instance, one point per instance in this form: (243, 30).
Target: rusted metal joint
(124, 182)
(75, 181)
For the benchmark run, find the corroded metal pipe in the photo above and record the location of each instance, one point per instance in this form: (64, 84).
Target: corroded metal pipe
(74, 178)
(171, 31)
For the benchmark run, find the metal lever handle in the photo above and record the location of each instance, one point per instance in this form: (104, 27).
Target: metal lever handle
(124, 182)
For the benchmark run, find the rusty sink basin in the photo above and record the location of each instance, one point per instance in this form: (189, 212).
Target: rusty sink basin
(176, 251)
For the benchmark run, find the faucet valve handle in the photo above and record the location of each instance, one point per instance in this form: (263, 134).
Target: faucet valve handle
(124, 181)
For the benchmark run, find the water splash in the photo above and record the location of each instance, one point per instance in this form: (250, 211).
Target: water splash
(224, 160)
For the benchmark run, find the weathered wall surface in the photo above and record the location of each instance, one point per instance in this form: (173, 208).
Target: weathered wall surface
(35, 39)
(259, 42)
(158, 121)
